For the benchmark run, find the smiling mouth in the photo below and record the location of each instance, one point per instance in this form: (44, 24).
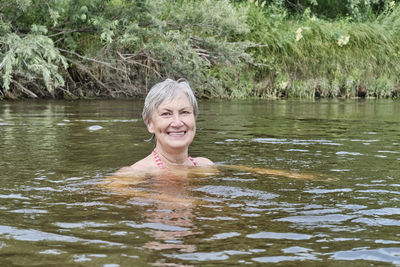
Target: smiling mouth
(176, 133)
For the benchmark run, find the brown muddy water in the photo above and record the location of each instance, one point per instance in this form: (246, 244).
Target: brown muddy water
(54, 154)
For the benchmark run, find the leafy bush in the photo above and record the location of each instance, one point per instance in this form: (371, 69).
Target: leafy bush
(122, 47)
(30, 61)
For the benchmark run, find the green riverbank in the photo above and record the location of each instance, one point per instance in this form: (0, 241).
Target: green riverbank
(226, 49)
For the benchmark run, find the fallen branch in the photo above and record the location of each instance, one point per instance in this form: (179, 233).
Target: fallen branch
(83, 68)
(24, 89)
(68, 93)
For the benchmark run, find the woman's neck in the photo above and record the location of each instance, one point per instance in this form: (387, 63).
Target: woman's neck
(174, 157)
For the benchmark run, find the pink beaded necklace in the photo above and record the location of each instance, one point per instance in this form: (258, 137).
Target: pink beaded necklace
(161, 164)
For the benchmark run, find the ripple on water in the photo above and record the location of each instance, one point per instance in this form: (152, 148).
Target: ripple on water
(29, 211)
(80, 225)
(36, 235)
(388, 151)
(328, 191)
(346, 153)
(381, 241)
(234, 192)
(332, 218)
(377, 221)
(218, 218)
(52, 252)
(337, 239)
(208, 256)
(296, 249)
(273, 235)
(365, 140)
(234, 179)
(351, 206)
(382, 191)
(223, 236)
(391, 255)
(277, 259)
(14, 196)
(320, 211)
(157, 226)
(284, 141)
(383, 211)
(297, 150)
(339, 170)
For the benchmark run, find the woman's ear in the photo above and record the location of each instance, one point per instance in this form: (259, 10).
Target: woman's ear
(150, 127)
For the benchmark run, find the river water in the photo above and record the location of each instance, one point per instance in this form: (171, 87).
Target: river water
(55, 154)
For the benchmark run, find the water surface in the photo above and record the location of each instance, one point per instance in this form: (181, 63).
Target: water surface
(55, 154)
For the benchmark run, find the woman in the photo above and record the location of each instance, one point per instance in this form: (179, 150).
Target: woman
(170, 112)
(163, 177)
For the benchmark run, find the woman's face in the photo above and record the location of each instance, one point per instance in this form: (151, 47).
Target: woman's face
(173, 123)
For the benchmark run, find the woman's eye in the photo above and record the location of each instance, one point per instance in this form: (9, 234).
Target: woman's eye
(185, 112)
(165, 114)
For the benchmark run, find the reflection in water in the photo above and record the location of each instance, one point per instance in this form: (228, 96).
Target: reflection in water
(342, 210)
(169, 192)
(173, 210)
(170, 217)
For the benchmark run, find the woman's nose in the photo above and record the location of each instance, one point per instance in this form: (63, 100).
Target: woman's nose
(177, 121)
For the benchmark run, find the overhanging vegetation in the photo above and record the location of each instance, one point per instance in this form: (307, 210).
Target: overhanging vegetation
(228, 49)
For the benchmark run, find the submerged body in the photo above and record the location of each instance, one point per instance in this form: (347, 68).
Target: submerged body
(127, 180)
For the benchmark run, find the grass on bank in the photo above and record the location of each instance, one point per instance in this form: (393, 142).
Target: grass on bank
(310, 57)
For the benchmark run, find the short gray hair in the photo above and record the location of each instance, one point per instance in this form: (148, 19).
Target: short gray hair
(167, 90)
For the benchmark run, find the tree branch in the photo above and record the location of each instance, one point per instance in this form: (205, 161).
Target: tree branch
(83, 68)
(24, 89)
(61, 31)
(92, 59)
(138, 63)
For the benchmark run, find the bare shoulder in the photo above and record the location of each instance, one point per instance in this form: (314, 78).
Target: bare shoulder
(139, 168)
(203, 162)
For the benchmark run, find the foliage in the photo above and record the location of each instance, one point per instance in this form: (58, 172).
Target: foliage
(29, 61)
(357, 10)
(197, 43)
(237, 48)
(307, 56)
(116, 47)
